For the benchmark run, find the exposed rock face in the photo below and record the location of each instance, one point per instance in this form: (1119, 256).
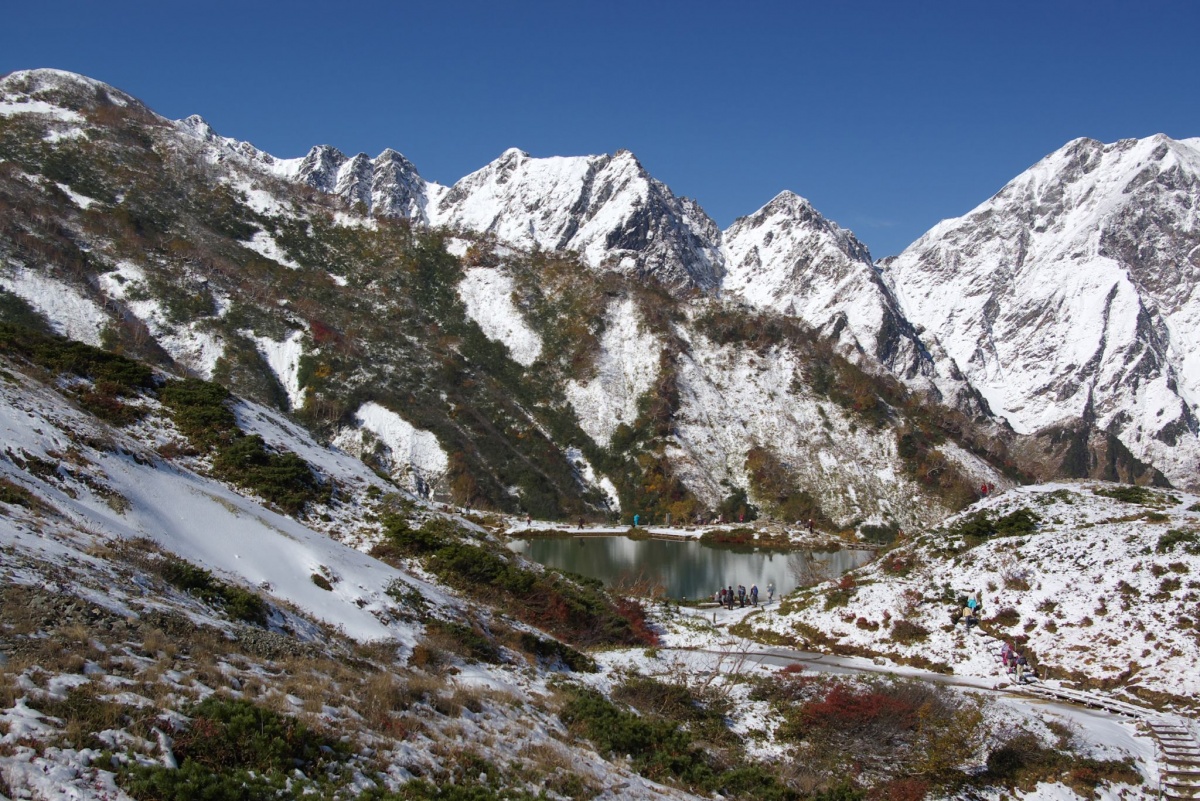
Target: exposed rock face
(387, 185)
(1072, 295)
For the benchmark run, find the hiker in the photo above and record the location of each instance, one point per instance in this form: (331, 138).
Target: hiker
(754, 595)
(528, 519)
(810, 525)
(770, 591)
(1023, 671)
(968, 616)
(581, 524)
(741, 596)
(729, 596)
(1006, 654)
(636, 518)
(721, 596)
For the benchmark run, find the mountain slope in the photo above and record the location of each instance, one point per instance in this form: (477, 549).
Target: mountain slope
(461, 365)
(1072, 295)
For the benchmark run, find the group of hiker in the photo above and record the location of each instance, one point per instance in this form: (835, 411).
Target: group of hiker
(726, 596)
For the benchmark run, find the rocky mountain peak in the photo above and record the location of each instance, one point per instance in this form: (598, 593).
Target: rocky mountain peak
(1071, 295)
(320, 167)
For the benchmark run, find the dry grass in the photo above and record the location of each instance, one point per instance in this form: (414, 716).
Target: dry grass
(157, 644)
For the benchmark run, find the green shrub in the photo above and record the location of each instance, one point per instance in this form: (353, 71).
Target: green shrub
(15, 311)
(471, 643)
(984, 524)
(906, 632)
(238, 603)
(879, 534)
(660, 749)
(1006, 617)
(284, 479)
(235, 750)
(15, 494)
(1023, 761)
(1128, 493)
(1189, 540)
(200, 410)
(122, 376)
(553, 651)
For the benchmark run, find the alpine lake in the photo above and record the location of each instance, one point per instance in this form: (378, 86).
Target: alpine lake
(687, 569)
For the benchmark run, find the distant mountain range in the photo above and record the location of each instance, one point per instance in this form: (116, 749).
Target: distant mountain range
(568, 328)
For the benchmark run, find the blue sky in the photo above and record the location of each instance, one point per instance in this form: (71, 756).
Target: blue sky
(889, 116)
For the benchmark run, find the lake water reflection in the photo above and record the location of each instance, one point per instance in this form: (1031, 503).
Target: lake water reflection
(688, 569)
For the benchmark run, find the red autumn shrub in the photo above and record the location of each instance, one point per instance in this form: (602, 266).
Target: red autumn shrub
(845, 710)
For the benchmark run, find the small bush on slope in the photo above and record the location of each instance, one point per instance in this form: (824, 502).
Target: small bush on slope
(881, 725)
(200, 410)
(663, 751)
(239, 603)
(1023, 761)
(984, 524)
(235, 750)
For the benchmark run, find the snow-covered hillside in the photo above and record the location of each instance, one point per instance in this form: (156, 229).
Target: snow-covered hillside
(1073, 294)
(1100, 591)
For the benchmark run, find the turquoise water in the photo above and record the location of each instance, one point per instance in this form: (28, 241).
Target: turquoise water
(687, 569)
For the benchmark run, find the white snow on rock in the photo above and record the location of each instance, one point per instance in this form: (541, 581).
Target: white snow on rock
(284, 360)
(192, 346)
(488, 296)
(25, 106)
(69, 312)
(588, 477)
(82, 201)
(733, 399)
(626, 369)
(416, 456)
(265, 245)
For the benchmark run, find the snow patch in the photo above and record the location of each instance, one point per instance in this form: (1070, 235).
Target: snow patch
(488, 296)
(70, 313)
(417, 457)
(284, 360)
(625, 370)
(264, 244)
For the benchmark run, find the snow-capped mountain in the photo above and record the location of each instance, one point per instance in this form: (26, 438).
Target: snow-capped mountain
(1073, 295)
(387, 185)
(606, 208)
(785, 260)
(789, 258)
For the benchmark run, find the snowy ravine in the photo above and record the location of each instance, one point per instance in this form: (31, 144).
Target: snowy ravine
(734, 399)
(417, 460)
(625, 369)
(487, 294)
